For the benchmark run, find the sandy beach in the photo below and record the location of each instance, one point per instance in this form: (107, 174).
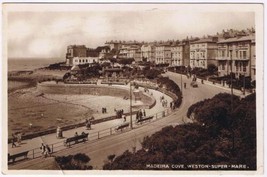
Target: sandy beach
(29, 110)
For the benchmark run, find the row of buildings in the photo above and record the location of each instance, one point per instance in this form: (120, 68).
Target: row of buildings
(231, 51)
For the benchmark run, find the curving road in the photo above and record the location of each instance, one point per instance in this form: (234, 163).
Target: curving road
(117, 144)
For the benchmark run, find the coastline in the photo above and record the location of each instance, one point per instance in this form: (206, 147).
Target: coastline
(32, 77)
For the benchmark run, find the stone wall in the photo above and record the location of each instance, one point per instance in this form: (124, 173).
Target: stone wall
(53, 88)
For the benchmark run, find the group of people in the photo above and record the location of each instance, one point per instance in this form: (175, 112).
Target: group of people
(76, 134)
(16, 138)
(88, 123)
(164, 103)
(46, 150)
(119, 113)
(172, 105)
(140, 114)
(104, 110)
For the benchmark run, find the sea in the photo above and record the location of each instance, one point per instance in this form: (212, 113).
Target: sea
(29, 64)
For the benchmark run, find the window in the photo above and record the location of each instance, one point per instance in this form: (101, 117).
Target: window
(223, 66)
(244, 68)
(244, 54)
(223, 53)
(236, 53)
(236, 67)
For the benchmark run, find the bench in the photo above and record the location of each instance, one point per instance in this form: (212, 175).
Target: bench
(13, 157)
(144, 119)
(122, 126)
(76, 139)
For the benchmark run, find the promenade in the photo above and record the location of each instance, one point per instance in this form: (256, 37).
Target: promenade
(97, 131)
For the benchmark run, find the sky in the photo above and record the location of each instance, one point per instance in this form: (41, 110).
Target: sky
(47, 33)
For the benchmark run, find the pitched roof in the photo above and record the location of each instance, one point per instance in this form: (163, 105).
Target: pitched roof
(204, 40)
(238, 39)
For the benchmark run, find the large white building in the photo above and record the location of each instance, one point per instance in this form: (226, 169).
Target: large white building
(85, 60)
(177, 55)
(163, 54)
(237, 54)
(148, 52)
(203, 52)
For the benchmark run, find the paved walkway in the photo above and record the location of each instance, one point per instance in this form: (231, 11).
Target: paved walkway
(98, 130)
(221, 86)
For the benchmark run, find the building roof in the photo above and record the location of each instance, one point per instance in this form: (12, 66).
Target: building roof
(204, 40)
(238, 39)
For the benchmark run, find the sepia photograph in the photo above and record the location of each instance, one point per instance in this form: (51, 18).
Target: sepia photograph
(132, 88)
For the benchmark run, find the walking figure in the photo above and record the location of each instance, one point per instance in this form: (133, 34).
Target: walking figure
(19, 138)
(76, 134)
(184, 85)
(43, 149)
(144, 113)
(47, 151)
(13, 143)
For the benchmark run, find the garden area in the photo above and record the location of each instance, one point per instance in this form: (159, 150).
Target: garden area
(220, 136)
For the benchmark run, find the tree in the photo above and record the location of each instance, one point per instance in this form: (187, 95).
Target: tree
(74, 162)
(212, 69)
(66, 76)
(207, 141)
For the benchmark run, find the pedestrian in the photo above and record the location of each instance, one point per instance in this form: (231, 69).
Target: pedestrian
(76, 134)
(47, 151)
(84, 139)
(43, 149)
(19, 138)
(137, 116)
(124, 117)
(13, 142)
(140, 114)
(144, 113)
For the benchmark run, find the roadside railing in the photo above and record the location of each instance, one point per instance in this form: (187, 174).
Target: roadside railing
(55, 147)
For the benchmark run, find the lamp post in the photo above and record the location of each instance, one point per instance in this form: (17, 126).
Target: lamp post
(231, 74)
(181, 84)
(232, 108)
(244, 84)
(131, 112)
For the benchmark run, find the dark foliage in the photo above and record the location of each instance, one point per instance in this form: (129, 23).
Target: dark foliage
(125, 61)
(74, 162)
(207, 141)
(151, 73)
(58, 66)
